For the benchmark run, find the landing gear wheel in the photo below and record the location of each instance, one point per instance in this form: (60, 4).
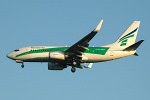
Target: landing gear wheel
(73, 69)
(22, 66)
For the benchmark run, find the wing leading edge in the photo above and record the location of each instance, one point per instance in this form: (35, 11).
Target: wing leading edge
(82, 44)
(76, 50)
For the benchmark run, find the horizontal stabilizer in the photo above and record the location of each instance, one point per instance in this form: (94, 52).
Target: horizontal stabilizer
(90, 65)
(134, 46)
(136, 54)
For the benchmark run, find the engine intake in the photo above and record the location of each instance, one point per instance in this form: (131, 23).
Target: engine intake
(54, 66)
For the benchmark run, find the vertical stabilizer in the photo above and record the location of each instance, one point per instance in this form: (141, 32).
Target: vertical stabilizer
(128, 37)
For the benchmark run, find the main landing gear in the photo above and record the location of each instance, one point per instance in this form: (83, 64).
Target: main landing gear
(73, 69)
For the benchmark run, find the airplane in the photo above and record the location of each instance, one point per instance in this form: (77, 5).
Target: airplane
(60, 57)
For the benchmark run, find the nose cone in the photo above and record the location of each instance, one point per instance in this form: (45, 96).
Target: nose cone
(9, 55)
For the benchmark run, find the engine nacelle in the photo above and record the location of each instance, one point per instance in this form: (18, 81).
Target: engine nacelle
(53, 66)
(57, 55)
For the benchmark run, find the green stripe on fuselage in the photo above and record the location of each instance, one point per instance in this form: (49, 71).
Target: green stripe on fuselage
(97, 50)
(43, 50)
(92, 50)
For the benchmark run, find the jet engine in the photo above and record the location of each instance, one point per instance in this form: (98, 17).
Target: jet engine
(55, 66)
(57, 55)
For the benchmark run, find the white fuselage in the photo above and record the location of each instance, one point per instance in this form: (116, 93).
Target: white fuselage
(33, 54)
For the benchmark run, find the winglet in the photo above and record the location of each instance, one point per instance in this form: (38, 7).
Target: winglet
(98, 26)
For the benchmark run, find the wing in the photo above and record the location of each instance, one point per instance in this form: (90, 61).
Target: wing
(76, 50)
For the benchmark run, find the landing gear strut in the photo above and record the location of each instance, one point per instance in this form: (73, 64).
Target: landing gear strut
(73, 69)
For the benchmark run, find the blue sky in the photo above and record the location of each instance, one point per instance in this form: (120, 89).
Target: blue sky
(64, 22)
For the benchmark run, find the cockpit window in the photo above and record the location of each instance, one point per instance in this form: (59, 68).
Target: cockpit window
(16, 50)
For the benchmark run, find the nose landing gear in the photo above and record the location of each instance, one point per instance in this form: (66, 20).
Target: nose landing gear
(22, 65)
